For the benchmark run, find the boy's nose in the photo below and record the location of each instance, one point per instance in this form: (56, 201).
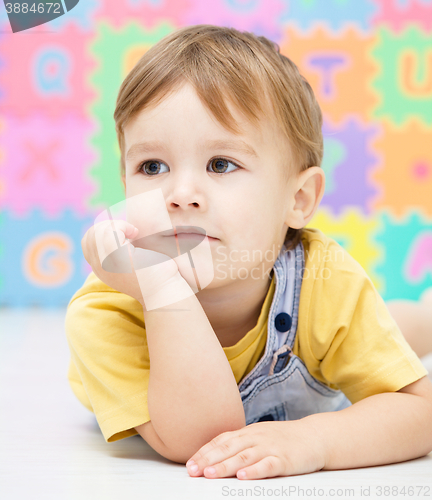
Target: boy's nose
(195, 204)
(186, 197)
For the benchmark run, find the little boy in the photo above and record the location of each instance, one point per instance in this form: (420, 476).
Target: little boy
(288, 362)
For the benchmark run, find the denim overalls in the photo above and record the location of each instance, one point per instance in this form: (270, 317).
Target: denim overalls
(279, 387)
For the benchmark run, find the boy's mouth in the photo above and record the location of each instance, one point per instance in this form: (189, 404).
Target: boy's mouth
(174, 242)
(184, 232)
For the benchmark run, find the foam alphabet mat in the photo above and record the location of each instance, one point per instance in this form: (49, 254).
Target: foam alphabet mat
(369, 63)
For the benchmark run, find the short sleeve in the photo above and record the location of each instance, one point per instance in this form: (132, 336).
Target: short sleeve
(349, 340)
(109, 367)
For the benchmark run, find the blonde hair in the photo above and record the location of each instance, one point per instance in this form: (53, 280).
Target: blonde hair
(223, 63)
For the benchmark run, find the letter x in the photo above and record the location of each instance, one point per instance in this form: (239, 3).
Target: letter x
(42, 157)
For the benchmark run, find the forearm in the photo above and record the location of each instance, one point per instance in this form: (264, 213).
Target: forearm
(381, 429)
(192, 395)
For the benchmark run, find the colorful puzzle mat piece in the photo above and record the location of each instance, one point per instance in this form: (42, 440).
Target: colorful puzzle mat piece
(337, 67)
(46, 72)
(45, 162)
(2, 62)
(117, 51)
(404, 82)
(258, 16)
(396, 14)
(336, 14)
(405, 264)
(404, 173)
(352, 230)
(42, 263)
(82, 15)
(2, 247)
(147, 13)
(347, 162)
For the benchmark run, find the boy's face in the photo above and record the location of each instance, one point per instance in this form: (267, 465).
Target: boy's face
(246, 209)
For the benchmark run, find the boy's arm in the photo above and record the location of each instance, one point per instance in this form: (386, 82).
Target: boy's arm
(192, 394)
(380, 429)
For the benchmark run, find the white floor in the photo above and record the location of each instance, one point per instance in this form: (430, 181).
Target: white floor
(51, 447)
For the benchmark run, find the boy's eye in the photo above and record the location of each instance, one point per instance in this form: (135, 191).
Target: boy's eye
(151, 167)
(218, 166)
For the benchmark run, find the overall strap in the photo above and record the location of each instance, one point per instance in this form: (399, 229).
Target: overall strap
(286, 343)
(283, 314)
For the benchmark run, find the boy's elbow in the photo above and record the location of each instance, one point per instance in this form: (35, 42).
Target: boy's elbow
(181, 450)
(148, 433)
(186, 452)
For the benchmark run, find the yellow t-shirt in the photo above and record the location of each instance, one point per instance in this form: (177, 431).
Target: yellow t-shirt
(345, 336)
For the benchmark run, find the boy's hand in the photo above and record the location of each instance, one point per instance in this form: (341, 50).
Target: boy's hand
(117, 257)
(261, 450)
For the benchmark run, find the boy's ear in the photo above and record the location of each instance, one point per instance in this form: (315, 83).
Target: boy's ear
(123, 179)
(309, 190)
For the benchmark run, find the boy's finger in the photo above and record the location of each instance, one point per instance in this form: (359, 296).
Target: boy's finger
(120, 231)
(110, 241)
(108, 238)
(126, 229)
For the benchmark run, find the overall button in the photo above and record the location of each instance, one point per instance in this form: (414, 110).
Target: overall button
(283, 322)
